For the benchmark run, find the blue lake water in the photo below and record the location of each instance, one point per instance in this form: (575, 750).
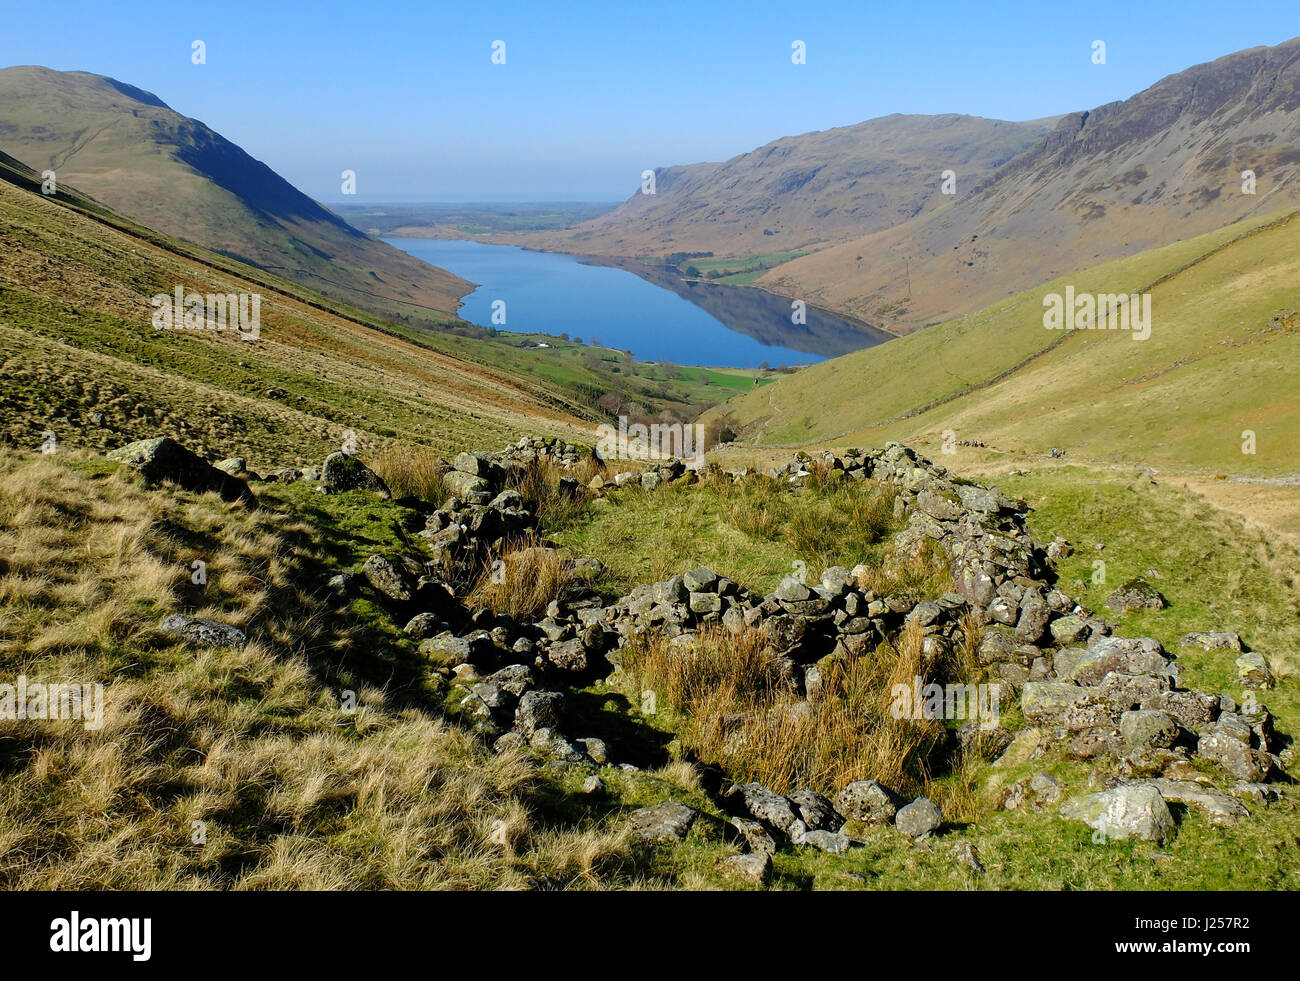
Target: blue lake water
(653, 313)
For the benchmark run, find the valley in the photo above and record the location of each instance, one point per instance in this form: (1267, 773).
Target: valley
(371, 603)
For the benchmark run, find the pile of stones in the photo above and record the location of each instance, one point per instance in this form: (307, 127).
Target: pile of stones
(1082, 691)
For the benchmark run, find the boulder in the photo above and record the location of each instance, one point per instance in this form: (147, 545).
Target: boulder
(755, 867)
(1134, 810)
(539, 710)
(919, 818)
(1136, 594)
(866, 801)
(203, 632)
(1253, 671)
(1233, 756)
(1147, 729)
(817, 812)
(1048, 701)
(1212, 640)
(700, 580)
(826, 841)
(754, 835)
(461, 484)
(162, 458)
(389, 578)
(344, 472)
(1218, 807)
(773, 810)
(666, 822)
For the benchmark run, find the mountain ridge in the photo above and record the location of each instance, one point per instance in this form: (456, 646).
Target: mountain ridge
(127, 148)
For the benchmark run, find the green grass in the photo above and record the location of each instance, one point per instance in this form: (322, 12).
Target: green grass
(754, 533)
(741, 270)
(1217, 363)
(1215, 575)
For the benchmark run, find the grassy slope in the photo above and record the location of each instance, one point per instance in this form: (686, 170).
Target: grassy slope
(75, 286)
(254, 744)
(1211, 368)
(174, 174)
(1215, 573)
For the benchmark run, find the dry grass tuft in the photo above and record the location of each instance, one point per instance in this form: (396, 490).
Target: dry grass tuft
(735, 711)
(232, 768)
(528, 577)
(412, 471)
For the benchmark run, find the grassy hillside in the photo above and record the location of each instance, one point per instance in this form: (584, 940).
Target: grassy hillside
(251, 750)
(76, 282)
(172, 173)
(1222, 358)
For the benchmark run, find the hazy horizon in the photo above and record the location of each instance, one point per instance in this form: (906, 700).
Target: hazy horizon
(590, 97)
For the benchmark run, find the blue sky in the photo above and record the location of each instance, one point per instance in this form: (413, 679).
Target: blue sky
(591, 94)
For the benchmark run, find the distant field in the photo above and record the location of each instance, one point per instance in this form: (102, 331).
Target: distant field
(422, 220)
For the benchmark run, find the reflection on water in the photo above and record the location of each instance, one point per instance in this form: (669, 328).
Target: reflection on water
(646, 310)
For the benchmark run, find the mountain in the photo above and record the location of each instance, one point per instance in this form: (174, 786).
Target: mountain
(803, 191)
(1161, 166)
(1033, 200)
(82, 358)
(130, 151)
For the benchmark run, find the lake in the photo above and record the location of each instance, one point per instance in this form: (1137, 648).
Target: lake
(649, 311)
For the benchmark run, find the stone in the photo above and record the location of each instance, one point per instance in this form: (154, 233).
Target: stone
(791, 590)
(234, 465)
(162, 458)
(755, 835)
(1193, 709)
(705, 603)
(755, 867)
(203, 632)
(1136, 594)
(1253, 670)
(389, 578)
(345, 472)
(1147, 728)
(816, 811)
(666, 822)
(1212, 640)
(1218, 807)
(423, 625)
(919, 818)
(1130, 691)
(593, 786)
(510, 742)
(700, 580)
(1130, 655)
(866, 801)
(1134, 810)
(595, 749)
(539, 710)
(1233, 756)
(773, 810)
(474, 464)
(964, 853)
(571, 656)
(1068, 629)
(514, 678)
(830, 842)
(464, 485)
(1048, 701)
